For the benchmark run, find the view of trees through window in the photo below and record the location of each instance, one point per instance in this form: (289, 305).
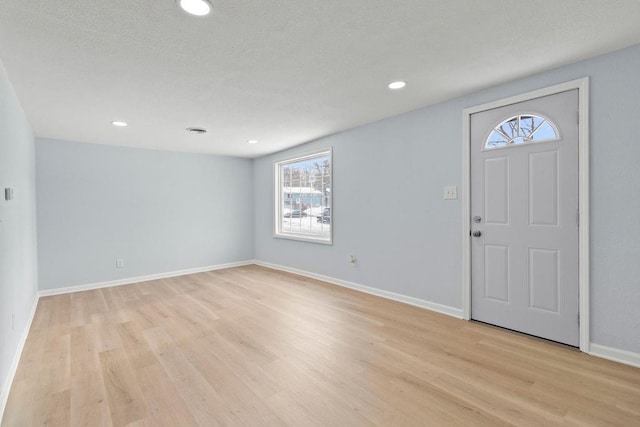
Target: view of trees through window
(304, 197)
(522, 129)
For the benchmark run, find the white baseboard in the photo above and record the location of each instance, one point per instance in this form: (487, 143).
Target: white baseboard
(617, 355)
(440, 308)
(6, 388)
(131, 280)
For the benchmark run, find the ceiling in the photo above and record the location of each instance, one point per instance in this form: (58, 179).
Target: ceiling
(283, 72)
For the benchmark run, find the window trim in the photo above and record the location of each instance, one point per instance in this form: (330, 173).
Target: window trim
(278, 233)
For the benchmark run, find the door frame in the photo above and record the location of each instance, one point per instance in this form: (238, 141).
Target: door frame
(582, 85)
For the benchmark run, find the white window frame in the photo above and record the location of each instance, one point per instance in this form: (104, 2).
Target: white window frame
(278, 232)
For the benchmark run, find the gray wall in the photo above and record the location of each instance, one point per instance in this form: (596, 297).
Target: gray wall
(18, 262)
(159, 211)
(389, 211)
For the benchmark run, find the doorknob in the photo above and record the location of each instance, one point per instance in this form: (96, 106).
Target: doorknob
(477, 233)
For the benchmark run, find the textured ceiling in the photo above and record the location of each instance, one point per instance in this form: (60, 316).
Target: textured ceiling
(281, 71)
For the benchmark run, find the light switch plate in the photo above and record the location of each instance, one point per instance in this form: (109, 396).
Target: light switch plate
(8, 193)
(451, 192)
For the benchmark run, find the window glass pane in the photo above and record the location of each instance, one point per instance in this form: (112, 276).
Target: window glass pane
(545, 133)
(529, 124)
(496, 139)
(510, 127)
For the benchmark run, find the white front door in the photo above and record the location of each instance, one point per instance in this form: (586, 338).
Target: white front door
(524, 210)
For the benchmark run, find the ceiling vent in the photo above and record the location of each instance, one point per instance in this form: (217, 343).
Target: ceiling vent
(198, 131)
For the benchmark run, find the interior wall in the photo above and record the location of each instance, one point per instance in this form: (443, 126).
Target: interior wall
(158, 211)
(389, 210)
(18, 254)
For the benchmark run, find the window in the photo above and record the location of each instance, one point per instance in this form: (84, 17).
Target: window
(522, 129)
(303, 198)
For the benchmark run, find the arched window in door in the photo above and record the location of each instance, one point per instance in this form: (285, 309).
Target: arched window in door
(521, 129)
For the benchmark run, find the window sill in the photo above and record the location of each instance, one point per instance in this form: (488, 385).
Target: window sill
(303, 238)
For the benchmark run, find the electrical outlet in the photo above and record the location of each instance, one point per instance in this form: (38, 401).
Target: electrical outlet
(120, 263)
(353, 261)
(13, 321)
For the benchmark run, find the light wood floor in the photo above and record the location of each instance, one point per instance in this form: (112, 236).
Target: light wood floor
(252, 346)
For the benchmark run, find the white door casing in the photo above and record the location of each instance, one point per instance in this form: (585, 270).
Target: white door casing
(529, 268)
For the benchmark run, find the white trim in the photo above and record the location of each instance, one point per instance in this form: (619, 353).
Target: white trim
(583, 200)
(465, 190)
(583, 193)
(617, 355)
(6, 387)
(432, 306)
(131, 280)
(301, 238)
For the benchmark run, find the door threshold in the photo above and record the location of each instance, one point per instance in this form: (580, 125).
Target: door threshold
(534, 337)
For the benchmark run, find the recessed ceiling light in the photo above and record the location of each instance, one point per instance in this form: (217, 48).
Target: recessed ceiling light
(195, 7)
(199, 131)
(397, 85)
(119, 123)
(252, 141)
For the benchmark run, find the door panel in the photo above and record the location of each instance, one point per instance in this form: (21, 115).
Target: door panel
(544, 278)
(496, 272)
(496, 196)
(524, 264)
(543, 188)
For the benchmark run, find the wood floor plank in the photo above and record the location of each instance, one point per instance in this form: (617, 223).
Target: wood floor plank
(166, 406)
(89, 405)
(137, 348)
(56, 353)
(176, 365)
(125, 398)
(254, 346)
